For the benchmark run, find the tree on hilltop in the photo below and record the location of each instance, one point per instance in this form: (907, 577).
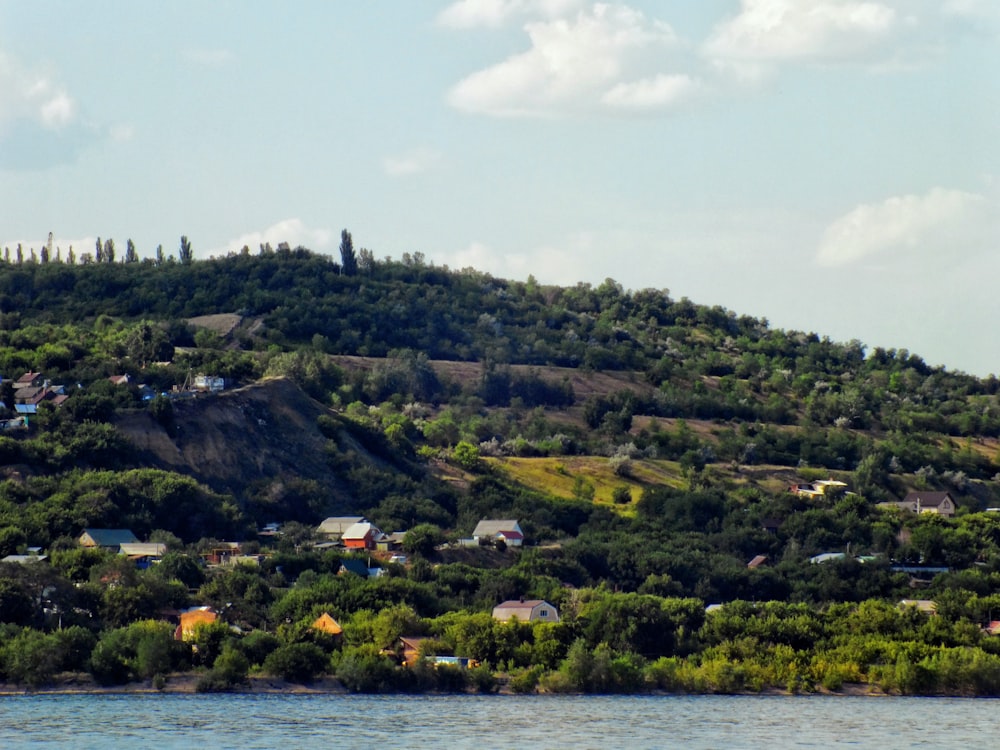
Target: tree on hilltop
(348, 260)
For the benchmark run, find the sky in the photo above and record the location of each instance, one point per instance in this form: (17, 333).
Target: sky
(830, 165)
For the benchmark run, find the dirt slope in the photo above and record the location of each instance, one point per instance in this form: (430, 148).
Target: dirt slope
(265, 431)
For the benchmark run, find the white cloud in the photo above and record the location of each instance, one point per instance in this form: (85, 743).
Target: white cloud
(973, 9)
(121, 132)
(412, 162)
(601, 58)
(939, 221)
(293, 231)
(651, 93)
(771, 31)
(34, 96)
(548, 264)
(467, 14)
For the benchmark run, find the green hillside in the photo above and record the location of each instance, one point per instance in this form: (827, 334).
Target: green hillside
(646, 446)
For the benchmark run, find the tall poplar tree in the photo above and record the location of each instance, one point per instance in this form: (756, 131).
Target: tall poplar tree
(348, 260)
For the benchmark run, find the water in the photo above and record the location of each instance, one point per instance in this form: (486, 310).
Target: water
(579, 722)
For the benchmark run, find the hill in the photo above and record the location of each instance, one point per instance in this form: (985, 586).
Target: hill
(650, 449)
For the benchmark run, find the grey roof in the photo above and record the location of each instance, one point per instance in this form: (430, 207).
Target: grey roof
(143, 549)
(491, 527)
(927, 499)
(338, 524)
(360, 530)
(523, 610)
(24, 559)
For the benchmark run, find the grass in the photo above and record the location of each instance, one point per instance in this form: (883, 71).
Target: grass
(562, 476)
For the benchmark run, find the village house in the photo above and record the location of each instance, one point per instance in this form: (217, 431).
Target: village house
(143, 554)
(27, 559)
(408, 650)
(222, 553)
(358, 568)
(490, 531)
(29, 380)
(818, 489)
(326, 624)
(334, 527)
(190, 619)
(109, 539)
(209, 383)
(32, 389)
(927, 606)
(940, 503)
(526, 610)
(362, 535)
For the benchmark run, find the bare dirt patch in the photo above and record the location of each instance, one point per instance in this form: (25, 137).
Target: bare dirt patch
(222, 323)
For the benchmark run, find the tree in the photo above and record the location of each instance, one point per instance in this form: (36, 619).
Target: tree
(348, 260)
(109, 250)
(297, 662)
(422, 539)
(131, 256)
(185, 254)
(621, 494)
(466, 455)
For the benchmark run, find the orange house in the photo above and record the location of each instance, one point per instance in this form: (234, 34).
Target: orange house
(361, 535)
(191, 619)
(326, 624)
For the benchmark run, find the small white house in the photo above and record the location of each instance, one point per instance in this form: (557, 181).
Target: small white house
(489, 531)
(526, 610)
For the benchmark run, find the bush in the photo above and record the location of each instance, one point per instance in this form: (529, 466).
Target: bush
(622, 495)
(229, 672)
(526, 681)
(482, 680)
(364, 670)
(296, 662)
(258, 645)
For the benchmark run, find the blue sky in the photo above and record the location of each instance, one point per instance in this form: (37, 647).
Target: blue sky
(831, 165)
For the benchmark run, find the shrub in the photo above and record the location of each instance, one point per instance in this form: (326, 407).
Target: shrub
(228, 672)
(364, 670)
(297, 662)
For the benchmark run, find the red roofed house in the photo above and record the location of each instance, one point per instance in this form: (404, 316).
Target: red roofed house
(508, 530)
(362, 535)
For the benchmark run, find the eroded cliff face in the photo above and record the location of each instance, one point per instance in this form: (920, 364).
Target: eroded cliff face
(231, 440)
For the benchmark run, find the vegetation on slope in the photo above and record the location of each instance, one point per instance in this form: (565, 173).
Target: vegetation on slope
(645, 445)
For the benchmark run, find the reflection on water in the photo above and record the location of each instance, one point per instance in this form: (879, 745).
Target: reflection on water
(580, 722)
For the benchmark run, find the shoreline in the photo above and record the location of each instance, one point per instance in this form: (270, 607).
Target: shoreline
(186, 684)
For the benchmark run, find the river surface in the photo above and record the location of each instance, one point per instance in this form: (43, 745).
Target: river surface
(215, 722)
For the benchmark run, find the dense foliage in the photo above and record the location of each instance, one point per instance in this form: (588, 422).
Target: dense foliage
(705, 406)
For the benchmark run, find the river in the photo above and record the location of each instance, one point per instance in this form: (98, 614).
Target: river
(214, 722)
